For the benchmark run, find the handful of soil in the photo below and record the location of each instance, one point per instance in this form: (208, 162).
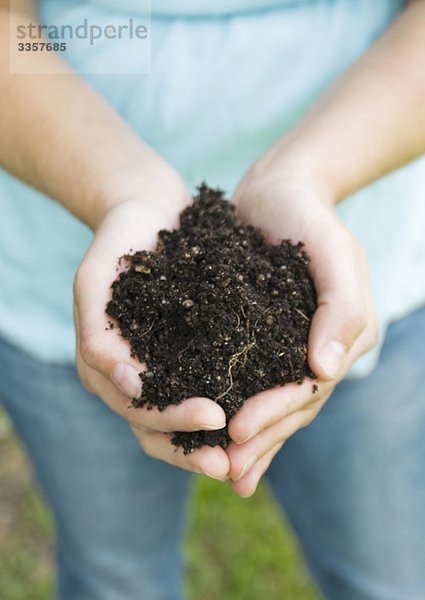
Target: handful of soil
(215, 311)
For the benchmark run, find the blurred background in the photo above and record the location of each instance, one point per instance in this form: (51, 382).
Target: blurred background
(235, 550)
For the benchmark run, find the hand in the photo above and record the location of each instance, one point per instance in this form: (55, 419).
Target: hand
(103, 357)
(343, 327)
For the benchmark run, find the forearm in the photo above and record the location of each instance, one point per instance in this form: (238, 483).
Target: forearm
(59, 136)
(370, 122)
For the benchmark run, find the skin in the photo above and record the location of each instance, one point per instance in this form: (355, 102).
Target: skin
(374, 115)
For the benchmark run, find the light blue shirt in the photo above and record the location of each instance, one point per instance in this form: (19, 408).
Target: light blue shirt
(222, 88)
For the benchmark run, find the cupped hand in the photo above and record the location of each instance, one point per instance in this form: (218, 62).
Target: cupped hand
(103, 358)
(343, 328)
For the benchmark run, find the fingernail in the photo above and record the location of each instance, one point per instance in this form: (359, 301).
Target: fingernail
(247, 466)
(209, 427)
(249, 436)
(127, 379)
(215, 476)
(331, 358)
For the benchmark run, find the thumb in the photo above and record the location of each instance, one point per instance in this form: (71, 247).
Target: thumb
(99, 348)
(342, 282)
(332, 335)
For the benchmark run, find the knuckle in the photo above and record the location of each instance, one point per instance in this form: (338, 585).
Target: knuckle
(85, 380)
(145, 443)
(289, 403)
(355, 321)
(165, 420)
(84, 375)
(145, 419)
(133, 419)
(90, 349)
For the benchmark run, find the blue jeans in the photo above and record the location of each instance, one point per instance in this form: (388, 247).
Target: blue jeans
(352, 483)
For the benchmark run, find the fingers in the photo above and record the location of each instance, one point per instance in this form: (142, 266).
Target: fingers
(193, 414)
(243, 457)
(153, 428)
(249, 461)
(273, 416)
(251, 458)
(212, 462)
(247, 485)
(267, 408)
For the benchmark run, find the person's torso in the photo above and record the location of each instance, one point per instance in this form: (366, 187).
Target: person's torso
(222, 87)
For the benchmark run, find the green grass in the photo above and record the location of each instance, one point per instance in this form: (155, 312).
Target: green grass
(235, 549)
(25, 565)
(26, 528)
(242, 549)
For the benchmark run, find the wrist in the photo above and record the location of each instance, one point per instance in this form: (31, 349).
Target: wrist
(287, 176)
(161, 188)
(300, 168)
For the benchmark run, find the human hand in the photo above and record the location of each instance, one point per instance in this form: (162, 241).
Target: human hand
(103, 357)
(343, 328)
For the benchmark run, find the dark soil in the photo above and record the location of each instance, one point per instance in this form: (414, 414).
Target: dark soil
(216, 311)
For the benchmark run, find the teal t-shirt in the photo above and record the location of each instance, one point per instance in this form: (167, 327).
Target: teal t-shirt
(222, 87)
